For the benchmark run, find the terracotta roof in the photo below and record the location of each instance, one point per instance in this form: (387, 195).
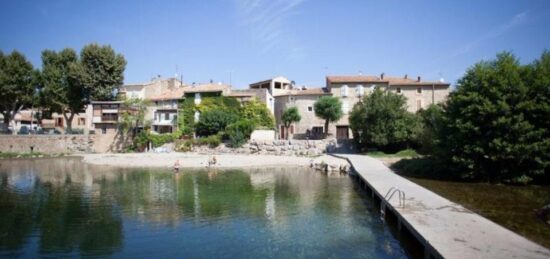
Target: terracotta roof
(106, 102)
(309, 91)
(26, 117)
(172, 94)
(387, 79)
(202, 88)
(352, 79)
(241, 94)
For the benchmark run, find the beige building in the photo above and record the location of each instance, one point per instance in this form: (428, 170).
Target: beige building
(303, 100)
(351, 89)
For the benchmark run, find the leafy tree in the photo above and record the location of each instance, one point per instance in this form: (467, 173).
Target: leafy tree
(238, 132)
(289, 116)
(186, 116)
(102, 69)
(63, 89)
(259, 113)
(213, 121)
(431, 119)
(496, 122)
(133, 116)
(329, 109)
(16, 85)
(384, 122)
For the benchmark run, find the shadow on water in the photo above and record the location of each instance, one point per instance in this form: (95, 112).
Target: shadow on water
(62, 207)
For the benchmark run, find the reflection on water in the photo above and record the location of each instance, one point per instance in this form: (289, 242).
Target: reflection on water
(61, 206)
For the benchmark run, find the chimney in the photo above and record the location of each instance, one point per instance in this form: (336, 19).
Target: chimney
(406, 76)
(382, 76)
(418, 79)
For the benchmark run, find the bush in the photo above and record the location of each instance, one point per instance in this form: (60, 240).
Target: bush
(185, 145)
(159, 140)
(140, 141)
(384, 122)
(239, 132)
(214, 121)
(259, 113)
(212, 141)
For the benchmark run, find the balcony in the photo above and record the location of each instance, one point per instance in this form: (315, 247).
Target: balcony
(164, 122)
(167, 107)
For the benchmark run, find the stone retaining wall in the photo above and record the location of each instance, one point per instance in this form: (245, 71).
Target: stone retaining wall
(47, 143)
(274, 147)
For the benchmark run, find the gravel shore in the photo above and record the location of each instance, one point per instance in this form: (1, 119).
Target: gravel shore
(194, 160)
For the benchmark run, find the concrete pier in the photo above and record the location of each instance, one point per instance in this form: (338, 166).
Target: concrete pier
(446, 229)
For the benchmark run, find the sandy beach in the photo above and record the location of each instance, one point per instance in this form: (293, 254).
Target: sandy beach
(194, 160)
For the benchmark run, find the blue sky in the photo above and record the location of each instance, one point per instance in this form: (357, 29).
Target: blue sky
(304, 40)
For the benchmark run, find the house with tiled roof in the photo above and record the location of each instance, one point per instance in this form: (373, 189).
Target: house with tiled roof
(303, 99)
(351, 89)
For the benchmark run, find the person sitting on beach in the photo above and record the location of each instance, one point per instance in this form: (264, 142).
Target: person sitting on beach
(212, 161)
(177, 166)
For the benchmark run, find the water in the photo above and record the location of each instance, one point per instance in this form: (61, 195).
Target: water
(62, 207)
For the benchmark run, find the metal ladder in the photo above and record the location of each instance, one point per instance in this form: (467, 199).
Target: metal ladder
(387, 198)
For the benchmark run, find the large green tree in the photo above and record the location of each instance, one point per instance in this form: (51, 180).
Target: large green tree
(16, 85)
(213, 121)
(63, 89)
(383, 121)
(104, 70)
(258, 112)
(289, 116)
(328, 108)
(497, 120)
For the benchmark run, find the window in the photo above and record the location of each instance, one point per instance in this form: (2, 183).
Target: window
(317, 130)
(310, 108)
(104, 130)
(197, 116)
(419, 90)
(398, 90)
(360, 90)
(345, 107)
(344, 91)
(197, 98)
(167, 116)
(81, 121)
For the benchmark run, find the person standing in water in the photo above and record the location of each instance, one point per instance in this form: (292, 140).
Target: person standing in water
(177, 166)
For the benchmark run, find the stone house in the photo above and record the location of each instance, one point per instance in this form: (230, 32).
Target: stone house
(351, 89)
(303, 100)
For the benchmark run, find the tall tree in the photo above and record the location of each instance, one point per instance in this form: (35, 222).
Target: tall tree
(289, 116)
(63, 84)
(104, 70)
(16, 85)
(328, 108)
(133, 116)
(384, 122)
(497, 120)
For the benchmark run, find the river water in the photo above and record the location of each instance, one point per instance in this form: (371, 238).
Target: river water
(63, 207)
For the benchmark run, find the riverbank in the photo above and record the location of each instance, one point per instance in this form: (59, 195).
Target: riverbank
(194, 160)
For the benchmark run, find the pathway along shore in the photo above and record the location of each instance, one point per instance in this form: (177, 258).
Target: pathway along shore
(445, 228)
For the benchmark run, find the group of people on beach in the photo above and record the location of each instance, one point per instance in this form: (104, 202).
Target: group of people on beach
(212, 161)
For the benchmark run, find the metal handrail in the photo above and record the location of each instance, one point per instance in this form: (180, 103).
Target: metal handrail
(389, 195)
